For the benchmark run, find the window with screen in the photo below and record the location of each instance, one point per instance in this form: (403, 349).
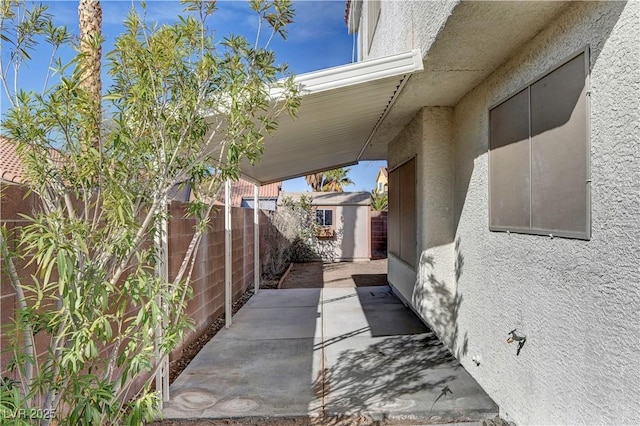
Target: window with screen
(539, 157)
(401, 226)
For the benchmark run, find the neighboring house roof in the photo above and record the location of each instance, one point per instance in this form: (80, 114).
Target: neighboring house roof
(243, 189)
(10, 166)
(11, 171)
(360, 198)
(384, 171)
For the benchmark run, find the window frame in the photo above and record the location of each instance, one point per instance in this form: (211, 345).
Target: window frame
(399, 250)
(333, 216)
(586, 234)
(373, 7)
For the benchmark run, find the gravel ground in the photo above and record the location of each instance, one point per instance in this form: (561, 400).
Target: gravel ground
(275, 421)
(341, 274)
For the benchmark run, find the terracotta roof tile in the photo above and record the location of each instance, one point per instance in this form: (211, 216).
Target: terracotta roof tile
(10, 166)
(243, 189)
(384, 171)
(11, 171)
(346, 12)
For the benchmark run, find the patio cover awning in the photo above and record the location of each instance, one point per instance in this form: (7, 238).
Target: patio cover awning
(341, 108)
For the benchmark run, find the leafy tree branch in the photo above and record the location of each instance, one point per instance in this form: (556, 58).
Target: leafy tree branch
(183, 108)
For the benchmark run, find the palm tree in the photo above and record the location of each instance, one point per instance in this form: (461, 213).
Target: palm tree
(315, 181)
(329, 181)
(335, 180)
(90, 17)
(379, 201)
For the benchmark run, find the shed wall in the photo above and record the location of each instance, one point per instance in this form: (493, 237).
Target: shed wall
(352, 224)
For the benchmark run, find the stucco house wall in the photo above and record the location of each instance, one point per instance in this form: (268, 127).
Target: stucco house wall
(401, 27)
(572, 298)
(577, 301)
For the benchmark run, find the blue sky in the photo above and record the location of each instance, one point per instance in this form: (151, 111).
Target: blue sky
(317, 39)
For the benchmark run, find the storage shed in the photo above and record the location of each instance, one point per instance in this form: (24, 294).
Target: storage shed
(344, 218)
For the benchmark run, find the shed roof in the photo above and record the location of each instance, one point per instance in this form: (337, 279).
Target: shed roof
(360, 198)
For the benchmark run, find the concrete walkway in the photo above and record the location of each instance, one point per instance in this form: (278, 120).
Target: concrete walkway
(327, 352)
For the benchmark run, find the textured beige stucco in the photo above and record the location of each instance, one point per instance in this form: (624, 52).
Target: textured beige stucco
(352, 224)
(578, 302)
(461, 43)
(399, 27)
(431, 286)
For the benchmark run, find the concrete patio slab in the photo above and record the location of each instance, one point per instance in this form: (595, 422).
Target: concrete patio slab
(404, 375)
(327, 351)
(366, 309)
(366, 295)
(377, 296)
(295, 297)
(232, 378)
(274, 323)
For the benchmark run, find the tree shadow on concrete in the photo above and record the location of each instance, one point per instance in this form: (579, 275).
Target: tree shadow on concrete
(439, 304)
(369, 280)
(364, 380)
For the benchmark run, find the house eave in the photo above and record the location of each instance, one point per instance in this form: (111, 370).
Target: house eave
(476, 38)
(341, 107)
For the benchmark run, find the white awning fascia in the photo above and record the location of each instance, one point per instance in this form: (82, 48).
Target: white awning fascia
(358, 72)
(297, 175)
(340, 110)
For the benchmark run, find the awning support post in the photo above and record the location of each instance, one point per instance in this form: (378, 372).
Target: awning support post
(227, 253)
(162, 272)
(256, 241)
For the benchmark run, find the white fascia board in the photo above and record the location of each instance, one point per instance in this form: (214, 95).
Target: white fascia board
(359, 72)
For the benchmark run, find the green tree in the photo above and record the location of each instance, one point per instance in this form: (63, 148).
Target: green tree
(379, 201)
(335, 180)
(330, 181)
(96, 299)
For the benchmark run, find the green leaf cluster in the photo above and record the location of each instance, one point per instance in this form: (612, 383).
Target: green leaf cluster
(379, 201)
(184, 109)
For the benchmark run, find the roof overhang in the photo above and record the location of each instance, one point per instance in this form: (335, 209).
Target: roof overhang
(475, 39)
(340, 111)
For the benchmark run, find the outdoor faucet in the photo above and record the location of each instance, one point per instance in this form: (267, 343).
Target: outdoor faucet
(515, 337)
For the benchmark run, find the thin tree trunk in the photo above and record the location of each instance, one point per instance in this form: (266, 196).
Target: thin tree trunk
(29, 340)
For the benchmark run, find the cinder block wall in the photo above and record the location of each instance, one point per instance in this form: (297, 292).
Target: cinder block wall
(207, 279)
(208, 274)
(12, 205)
(378, 235)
